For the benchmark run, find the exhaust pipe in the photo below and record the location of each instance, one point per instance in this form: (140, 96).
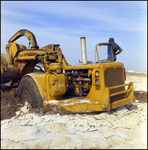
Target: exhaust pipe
(83, 50)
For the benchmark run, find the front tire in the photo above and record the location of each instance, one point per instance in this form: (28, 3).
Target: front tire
(29, 92)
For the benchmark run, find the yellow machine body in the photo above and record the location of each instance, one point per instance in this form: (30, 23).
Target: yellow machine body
(80, 88)
(110, 93)
(106, 92)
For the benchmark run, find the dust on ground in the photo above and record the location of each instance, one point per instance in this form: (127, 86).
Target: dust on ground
(11, 101)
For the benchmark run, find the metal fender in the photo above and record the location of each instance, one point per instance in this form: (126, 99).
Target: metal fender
(39, 78)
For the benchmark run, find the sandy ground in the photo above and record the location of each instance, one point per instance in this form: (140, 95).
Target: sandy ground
(125, 127)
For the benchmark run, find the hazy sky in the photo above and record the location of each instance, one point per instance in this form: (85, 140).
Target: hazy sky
(65, 22)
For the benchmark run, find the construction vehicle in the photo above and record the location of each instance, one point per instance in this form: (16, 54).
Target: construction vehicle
(60, 87)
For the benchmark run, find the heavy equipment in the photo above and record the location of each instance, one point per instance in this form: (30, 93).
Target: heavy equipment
(57, 86)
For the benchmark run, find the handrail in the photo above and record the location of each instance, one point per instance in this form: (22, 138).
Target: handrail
(120, 93)
(98, 54)
(114, 87)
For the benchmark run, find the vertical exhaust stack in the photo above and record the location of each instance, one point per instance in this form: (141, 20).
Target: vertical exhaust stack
(83, 50)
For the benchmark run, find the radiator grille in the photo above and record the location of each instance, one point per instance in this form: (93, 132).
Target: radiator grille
(114, 77)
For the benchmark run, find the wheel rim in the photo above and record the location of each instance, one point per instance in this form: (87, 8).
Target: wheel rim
(26, 96)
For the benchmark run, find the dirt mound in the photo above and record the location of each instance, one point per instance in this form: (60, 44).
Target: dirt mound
(141, 96)
(10, 101)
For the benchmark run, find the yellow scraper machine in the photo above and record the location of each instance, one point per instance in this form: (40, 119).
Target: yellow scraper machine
(46, 79)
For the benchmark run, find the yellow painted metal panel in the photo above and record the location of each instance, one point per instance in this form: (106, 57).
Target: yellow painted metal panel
(39, 78)
(120, 103)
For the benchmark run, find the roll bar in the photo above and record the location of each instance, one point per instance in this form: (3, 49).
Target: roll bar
(96, 50)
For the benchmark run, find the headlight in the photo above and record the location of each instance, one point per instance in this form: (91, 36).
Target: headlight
(96, 73)
(97, 82)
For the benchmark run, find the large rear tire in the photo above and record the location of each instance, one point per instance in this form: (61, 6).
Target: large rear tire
(29, 92)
